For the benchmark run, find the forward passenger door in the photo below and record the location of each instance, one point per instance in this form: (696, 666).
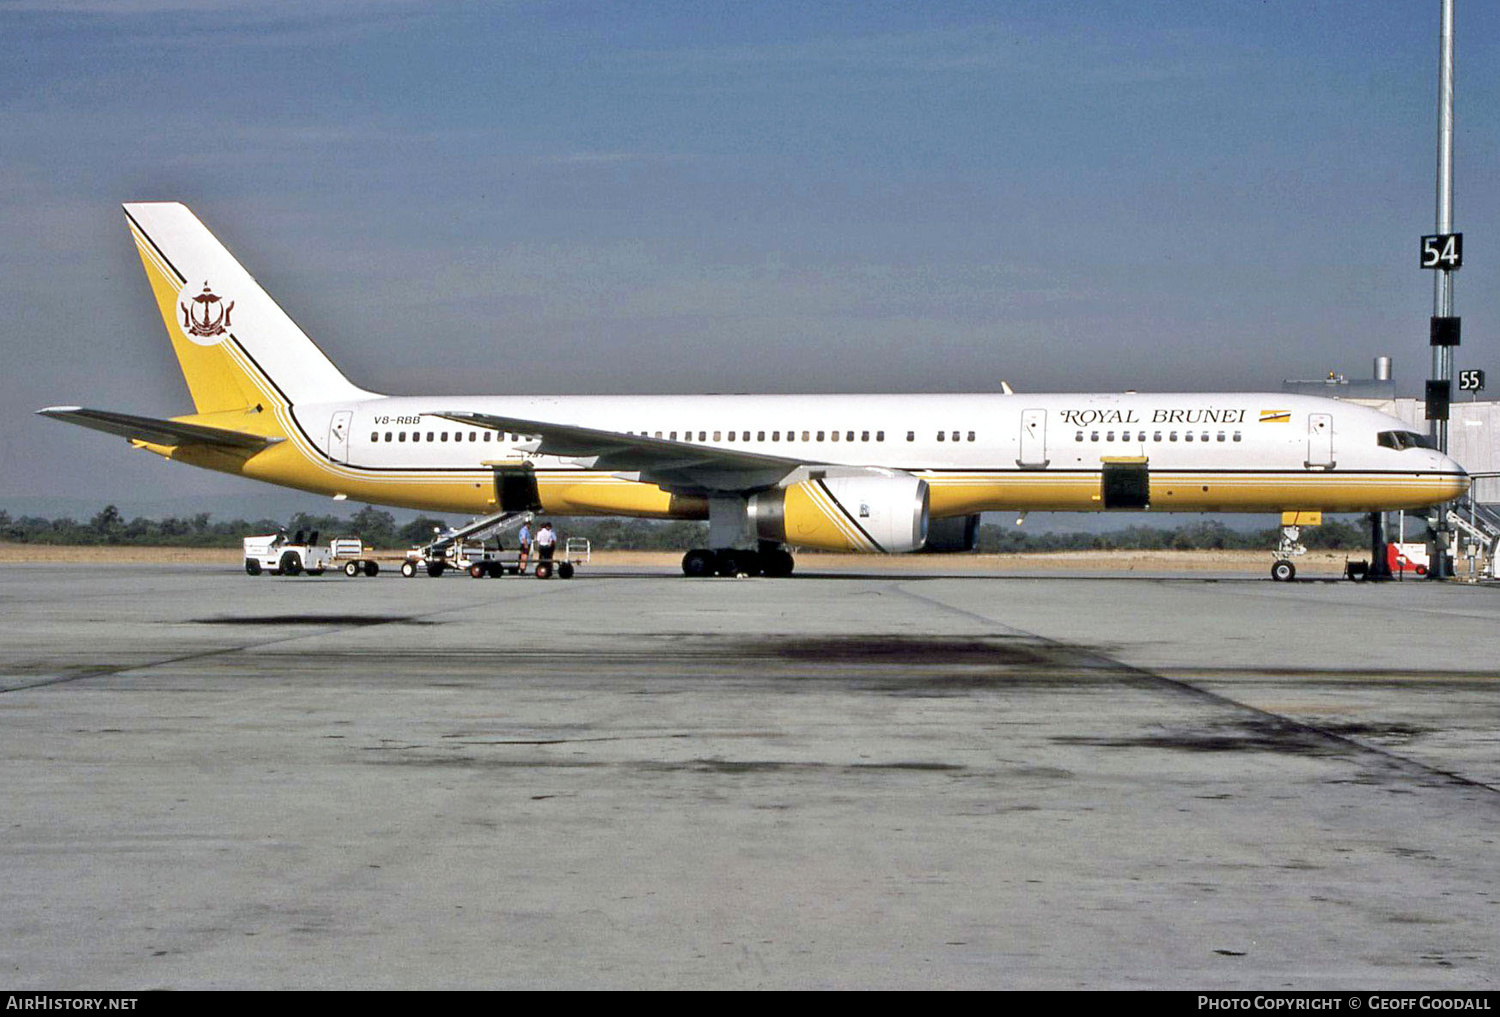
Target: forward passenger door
(1033, 439)
(1319, 441)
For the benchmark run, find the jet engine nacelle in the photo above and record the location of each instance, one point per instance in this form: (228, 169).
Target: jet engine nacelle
(953, 534)
(867, 513)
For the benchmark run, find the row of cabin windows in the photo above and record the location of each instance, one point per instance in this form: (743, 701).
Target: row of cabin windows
(376, 436)
(792, 435)
(1140, 436)
(761, 435)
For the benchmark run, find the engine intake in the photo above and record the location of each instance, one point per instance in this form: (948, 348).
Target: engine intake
(845, 514)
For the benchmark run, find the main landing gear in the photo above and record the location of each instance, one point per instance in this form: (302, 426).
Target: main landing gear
(731, 561)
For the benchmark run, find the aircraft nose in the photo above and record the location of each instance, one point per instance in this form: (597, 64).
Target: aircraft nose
(1453, 469)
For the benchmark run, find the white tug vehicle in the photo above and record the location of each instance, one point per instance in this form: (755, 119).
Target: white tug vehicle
(281, 555)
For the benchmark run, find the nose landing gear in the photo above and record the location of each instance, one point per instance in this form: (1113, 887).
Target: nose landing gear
(1290, 546)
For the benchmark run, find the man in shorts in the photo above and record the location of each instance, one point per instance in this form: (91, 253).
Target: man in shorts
(523, 541)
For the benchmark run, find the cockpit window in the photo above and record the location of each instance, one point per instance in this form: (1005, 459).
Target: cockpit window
(1403, 440)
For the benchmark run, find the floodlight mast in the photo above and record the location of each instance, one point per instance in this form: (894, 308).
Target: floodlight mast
(1446, 253)
(1442, 285)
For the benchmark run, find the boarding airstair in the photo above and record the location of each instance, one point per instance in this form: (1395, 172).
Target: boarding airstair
(477, 528)
(1478, 525)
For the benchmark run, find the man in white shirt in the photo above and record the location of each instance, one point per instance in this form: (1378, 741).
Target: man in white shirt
(545, 541)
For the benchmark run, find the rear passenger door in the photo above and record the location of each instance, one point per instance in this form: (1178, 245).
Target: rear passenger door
(338, 435)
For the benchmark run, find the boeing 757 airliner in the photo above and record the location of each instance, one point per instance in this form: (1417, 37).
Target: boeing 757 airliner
(881, 473)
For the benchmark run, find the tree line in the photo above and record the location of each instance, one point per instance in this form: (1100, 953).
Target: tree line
(378, 528)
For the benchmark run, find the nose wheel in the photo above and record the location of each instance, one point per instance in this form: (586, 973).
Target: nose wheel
(1283, 571)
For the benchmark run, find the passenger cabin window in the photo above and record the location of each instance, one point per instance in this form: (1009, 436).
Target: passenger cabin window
(388, 436)
(911, 435)
(760, 436)
(971, 435)
(880, 436)
(1079, 437)
(942, 435)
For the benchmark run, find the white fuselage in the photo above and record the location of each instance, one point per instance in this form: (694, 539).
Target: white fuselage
(979, 452)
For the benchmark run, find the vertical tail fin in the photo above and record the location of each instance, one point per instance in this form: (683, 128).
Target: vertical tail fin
(237, 348)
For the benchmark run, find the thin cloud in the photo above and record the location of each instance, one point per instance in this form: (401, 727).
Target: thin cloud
(613, 158)
(261, 10)
(986, 49)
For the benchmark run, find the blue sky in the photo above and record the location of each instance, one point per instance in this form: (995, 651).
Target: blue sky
(641, 197)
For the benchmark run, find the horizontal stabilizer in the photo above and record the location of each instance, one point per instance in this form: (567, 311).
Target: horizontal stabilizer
(159, 432)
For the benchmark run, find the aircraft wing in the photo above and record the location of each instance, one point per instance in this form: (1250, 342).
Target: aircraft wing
(159, 432)
(673, 465)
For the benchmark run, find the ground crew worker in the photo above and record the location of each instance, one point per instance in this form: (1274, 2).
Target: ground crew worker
(523, 541)
(545, 541)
